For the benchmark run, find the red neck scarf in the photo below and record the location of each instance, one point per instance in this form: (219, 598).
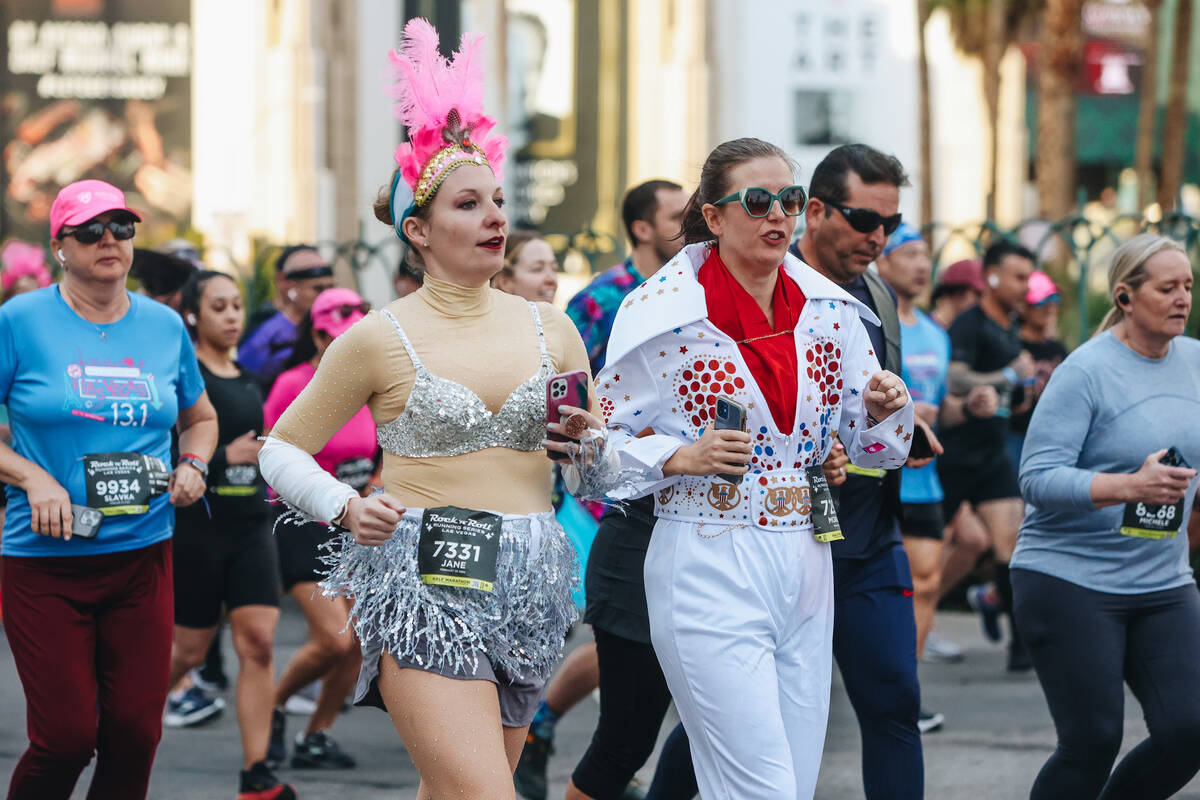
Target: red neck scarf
(772, 360)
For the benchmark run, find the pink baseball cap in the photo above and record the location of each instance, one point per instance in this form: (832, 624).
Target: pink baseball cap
(80, 201)
(1041, 289)
(335, 310)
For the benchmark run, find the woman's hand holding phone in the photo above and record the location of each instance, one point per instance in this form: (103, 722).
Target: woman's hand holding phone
(563, 439)
(566, 396)
(715, 453)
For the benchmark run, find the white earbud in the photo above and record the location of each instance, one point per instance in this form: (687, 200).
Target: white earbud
(61, 257)
(993, 281)
(292, 295)
(191, 319)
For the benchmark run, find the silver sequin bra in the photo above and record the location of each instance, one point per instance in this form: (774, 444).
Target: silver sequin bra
(445, 418)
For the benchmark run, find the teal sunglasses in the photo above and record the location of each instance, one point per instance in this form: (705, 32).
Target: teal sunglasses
(758, 201)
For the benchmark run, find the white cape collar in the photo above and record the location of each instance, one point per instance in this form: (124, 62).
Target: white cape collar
(673, 297)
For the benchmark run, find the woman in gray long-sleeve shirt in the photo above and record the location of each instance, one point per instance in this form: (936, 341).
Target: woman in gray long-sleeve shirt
(1103, 593)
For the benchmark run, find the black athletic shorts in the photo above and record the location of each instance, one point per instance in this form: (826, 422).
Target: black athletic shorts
(977, 480)
(300, 551)
(222, 563)
(923, 520)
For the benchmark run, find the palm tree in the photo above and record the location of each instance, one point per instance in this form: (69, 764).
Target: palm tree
(1175, 126)
(924, 9)
(1148, 107)
(985, 29)
(1062, 43)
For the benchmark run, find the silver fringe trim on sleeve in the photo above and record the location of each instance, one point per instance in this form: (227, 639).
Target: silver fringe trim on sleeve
(598, 470)
(519, 627)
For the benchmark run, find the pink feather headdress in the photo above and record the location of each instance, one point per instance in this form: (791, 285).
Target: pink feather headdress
(440, 102)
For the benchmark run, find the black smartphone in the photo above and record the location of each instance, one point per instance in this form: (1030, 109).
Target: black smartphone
(920, 447)
(1173, 458)
(730, 416)
(85, 522)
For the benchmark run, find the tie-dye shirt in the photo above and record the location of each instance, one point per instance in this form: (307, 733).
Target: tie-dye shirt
(594, 309)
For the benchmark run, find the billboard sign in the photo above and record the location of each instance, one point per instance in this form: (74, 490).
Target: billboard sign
(95, 89)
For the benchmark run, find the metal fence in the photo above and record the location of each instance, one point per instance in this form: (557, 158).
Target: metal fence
(1075, 251)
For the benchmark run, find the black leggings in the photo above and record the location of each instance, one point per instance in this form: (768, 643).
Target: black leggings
(633, 701)
(1084, 645)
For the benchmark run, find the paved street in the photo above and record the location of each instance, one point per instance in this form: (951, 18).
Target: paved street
(997, 735)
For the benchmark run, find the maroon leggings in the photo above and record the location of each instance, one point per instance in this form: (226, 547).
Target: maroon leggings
(91, 637)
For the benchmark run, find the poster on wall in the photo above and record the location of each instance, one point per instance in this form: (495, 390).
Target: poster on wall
(95, 89)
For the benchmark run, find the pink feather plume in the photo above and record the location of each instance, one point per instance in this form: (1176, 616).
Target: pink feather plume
(428, 86)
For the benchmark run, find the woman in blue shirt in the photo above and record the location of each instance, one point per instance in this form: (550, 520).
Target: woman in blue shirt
(1103, 594)
(94, 378)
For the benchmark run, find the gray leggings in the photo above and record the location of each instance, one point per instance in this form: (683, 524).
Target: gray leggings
(1085, 644)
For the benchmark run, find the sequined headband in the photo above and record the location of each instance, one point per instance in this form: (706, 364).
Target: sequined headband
(444, 162)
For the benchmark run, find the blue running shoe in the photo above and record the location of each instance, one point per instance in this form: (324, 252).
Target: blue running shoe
(194, 707)
(981, 598)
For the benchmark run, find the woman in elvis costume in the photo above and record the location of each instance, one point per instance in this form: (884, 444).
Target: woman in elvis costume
(460, 576)
(738, 575)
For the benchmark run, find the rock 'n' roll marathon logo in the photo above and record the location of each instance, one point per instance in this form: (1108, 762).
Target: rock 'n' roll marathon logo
(116, 394)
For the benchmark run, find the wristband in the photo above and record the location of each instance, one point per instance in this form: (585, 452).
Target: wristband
(195, 461)
(1011, 376)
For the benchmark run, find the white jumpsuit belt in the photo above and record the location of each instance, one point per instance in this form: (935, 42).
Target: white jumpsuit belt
(776, 499)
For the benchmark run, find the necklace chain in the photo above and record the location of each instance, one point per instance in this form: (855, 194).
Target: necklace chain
(764, 336)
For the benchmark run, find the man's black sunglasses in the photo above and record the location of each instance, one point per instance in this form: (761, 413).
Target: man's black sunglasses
(92, 232)
(864, 220)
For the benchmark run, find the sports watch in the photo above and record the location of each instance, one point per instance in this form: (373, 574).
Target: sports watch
(196, 461)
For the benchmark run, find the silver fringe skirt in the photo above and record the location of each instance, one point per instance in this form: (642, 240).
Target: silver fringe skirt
(519, 627)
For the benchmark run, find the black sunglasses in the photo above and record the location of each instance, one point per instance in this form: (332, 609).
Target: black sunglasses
(864, 220)
(93, 232)
(342, 312)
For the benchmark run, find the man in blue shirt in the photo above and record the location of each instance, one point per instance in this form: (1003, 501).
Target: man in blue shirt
(853, 206)
(925, 352)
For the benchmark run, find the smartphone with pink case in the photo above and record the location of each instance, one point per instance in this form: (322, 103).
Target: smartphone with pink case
(564, 389)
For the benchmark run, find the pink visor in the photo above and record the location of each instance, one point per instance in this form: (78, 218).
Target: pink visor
(335, 310)
(80, 201)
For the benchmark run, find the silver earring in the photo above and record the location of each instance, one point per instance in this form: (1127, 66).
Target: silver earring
(425, 243)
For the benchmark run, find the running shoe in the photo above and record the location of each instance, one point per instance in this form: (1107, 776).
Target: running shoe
(530, 776)
(982, 600)
(634, 791)
(277, 747)
(319, 750)
(940, 649)
(192, 708)
(300, 706)
(260, 783)
(930, 721)
(304, 702)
